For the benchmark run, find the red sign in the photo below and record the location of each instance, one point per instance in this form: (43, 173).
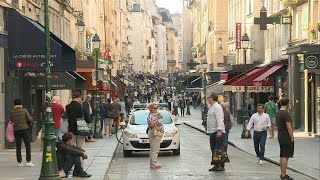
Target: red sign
(106, 54)
(238, 35)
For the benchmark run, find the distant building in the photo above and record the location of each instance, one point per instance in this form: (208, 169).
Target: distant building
(187, 32)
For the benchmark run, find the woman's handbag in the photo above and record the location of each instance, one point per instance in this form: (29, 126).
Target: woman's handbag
(10, 132)
(155, 130)
(82, 127)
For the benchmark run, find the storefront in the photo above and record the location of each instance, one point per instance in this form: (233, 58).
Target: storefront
(25, 67)
(262, 82)
(304, 78)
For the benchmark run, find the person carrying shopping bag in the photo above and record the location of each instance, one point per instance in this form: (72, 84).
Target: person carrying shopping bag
(20, 118)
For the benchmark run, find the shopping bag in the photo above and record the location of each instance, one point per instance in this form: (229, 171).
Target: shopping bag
(64, 126)
(219, 155)
(10, 132)
(82, 128)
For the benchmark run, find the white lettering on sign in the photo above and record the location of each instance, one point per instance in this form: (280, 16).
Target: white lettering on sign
(253, 89)
(238, 35)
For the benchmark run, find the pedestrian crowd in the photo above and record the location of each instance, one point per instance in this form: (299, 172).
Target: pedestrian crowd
(267, 117)
(73, 126)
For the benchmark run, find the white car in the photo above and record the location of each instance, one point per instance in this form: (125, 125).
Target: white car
(135, 137)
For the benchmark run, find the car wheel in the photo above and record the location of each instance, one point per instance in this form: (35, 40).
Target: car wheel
(127, 153)
(176, 152)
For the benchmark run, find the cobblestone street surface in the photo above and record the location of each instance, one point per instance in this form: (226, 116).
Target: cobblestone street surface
(306, 153)
(192, 164)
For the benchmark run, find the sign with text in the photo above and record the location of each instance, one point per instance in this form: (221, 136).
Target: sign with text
(238, 35)
(26, 46)
(253, 89)
(106, 54)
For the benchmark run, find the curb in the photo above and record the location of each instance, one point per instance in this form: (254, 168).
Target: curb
(114, 152)
(267, 159)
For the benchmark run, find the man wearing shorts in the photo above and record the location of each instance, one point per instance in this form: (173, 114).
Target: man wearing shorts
(285, 137)
(271, 109)
(108, 120)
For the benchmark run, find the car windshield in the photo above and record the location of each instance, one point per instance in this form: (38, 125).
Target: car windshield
(140, 118)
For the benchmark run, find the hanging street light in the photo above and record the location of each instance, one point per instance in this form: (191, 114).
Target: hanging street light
(80, 25)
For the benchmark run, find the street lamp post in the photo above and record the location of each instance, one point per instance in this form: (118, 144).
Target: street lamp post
(97, 130)
(204, 86)
(188, 105)
(110, 66)
(245, 45)
(49, 167)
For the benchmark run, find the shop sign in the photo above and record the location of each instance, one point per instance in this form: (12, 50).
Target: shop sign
(311, 62)
(238, 35)
(89, 44)
(253, 89)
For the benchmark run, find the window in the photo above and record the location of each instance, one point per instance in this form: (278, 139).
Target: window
(266, 42)
(249, 7)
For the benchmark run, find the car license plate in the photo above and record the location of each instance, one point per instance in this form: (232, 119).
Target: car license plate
(144, 141)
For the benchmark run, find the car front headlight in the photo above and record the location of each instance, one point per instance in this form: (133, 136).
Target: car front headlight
(171, 133)
(130, 134)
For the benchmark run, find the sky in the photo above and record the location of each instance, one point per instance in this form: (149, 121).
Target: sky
(172, 5)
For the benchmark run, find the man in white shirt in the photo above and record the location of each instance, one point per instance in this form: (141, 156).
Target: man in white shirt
(215, 127)
(261, 123)
(123, 109)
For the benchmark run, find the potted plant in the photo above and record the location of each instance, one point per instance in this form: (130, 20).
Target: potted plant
(312, 32)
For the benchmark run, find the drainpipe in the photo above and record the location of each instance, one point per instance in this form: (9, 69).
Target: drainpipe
(306, 104)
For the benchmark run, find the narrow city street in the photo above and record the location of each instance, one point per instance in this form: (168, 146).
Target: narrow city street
(193, 163)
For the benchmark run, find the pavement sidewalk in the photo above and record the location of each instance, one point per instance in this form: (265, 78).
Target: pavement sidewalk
(307, 149)
(100, 156)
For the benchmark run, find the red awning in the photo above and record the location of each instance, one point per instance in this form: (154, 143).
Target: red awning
(236, 78)
(273, 69)
(252, 75)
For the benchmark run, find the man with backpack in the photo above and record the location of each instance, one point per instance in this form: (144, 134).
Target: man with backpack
(108, 120)
(272, 110)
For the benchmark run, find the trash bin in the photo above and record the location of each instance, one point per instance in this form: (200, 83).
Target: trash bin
(239, 116)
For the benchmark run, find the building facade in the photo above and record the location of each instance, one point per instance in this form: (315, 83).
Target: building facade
(64, 17)
(170, 36)
(187, 32)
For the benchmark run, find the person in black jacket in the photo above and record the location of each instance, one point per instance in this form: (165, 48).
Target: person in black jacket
(69, 155)
(74, 112)
(87, 114)
(227, 121)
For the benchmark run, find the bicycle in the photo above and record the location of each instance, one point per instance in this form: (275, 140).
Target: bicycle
(120, 132)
